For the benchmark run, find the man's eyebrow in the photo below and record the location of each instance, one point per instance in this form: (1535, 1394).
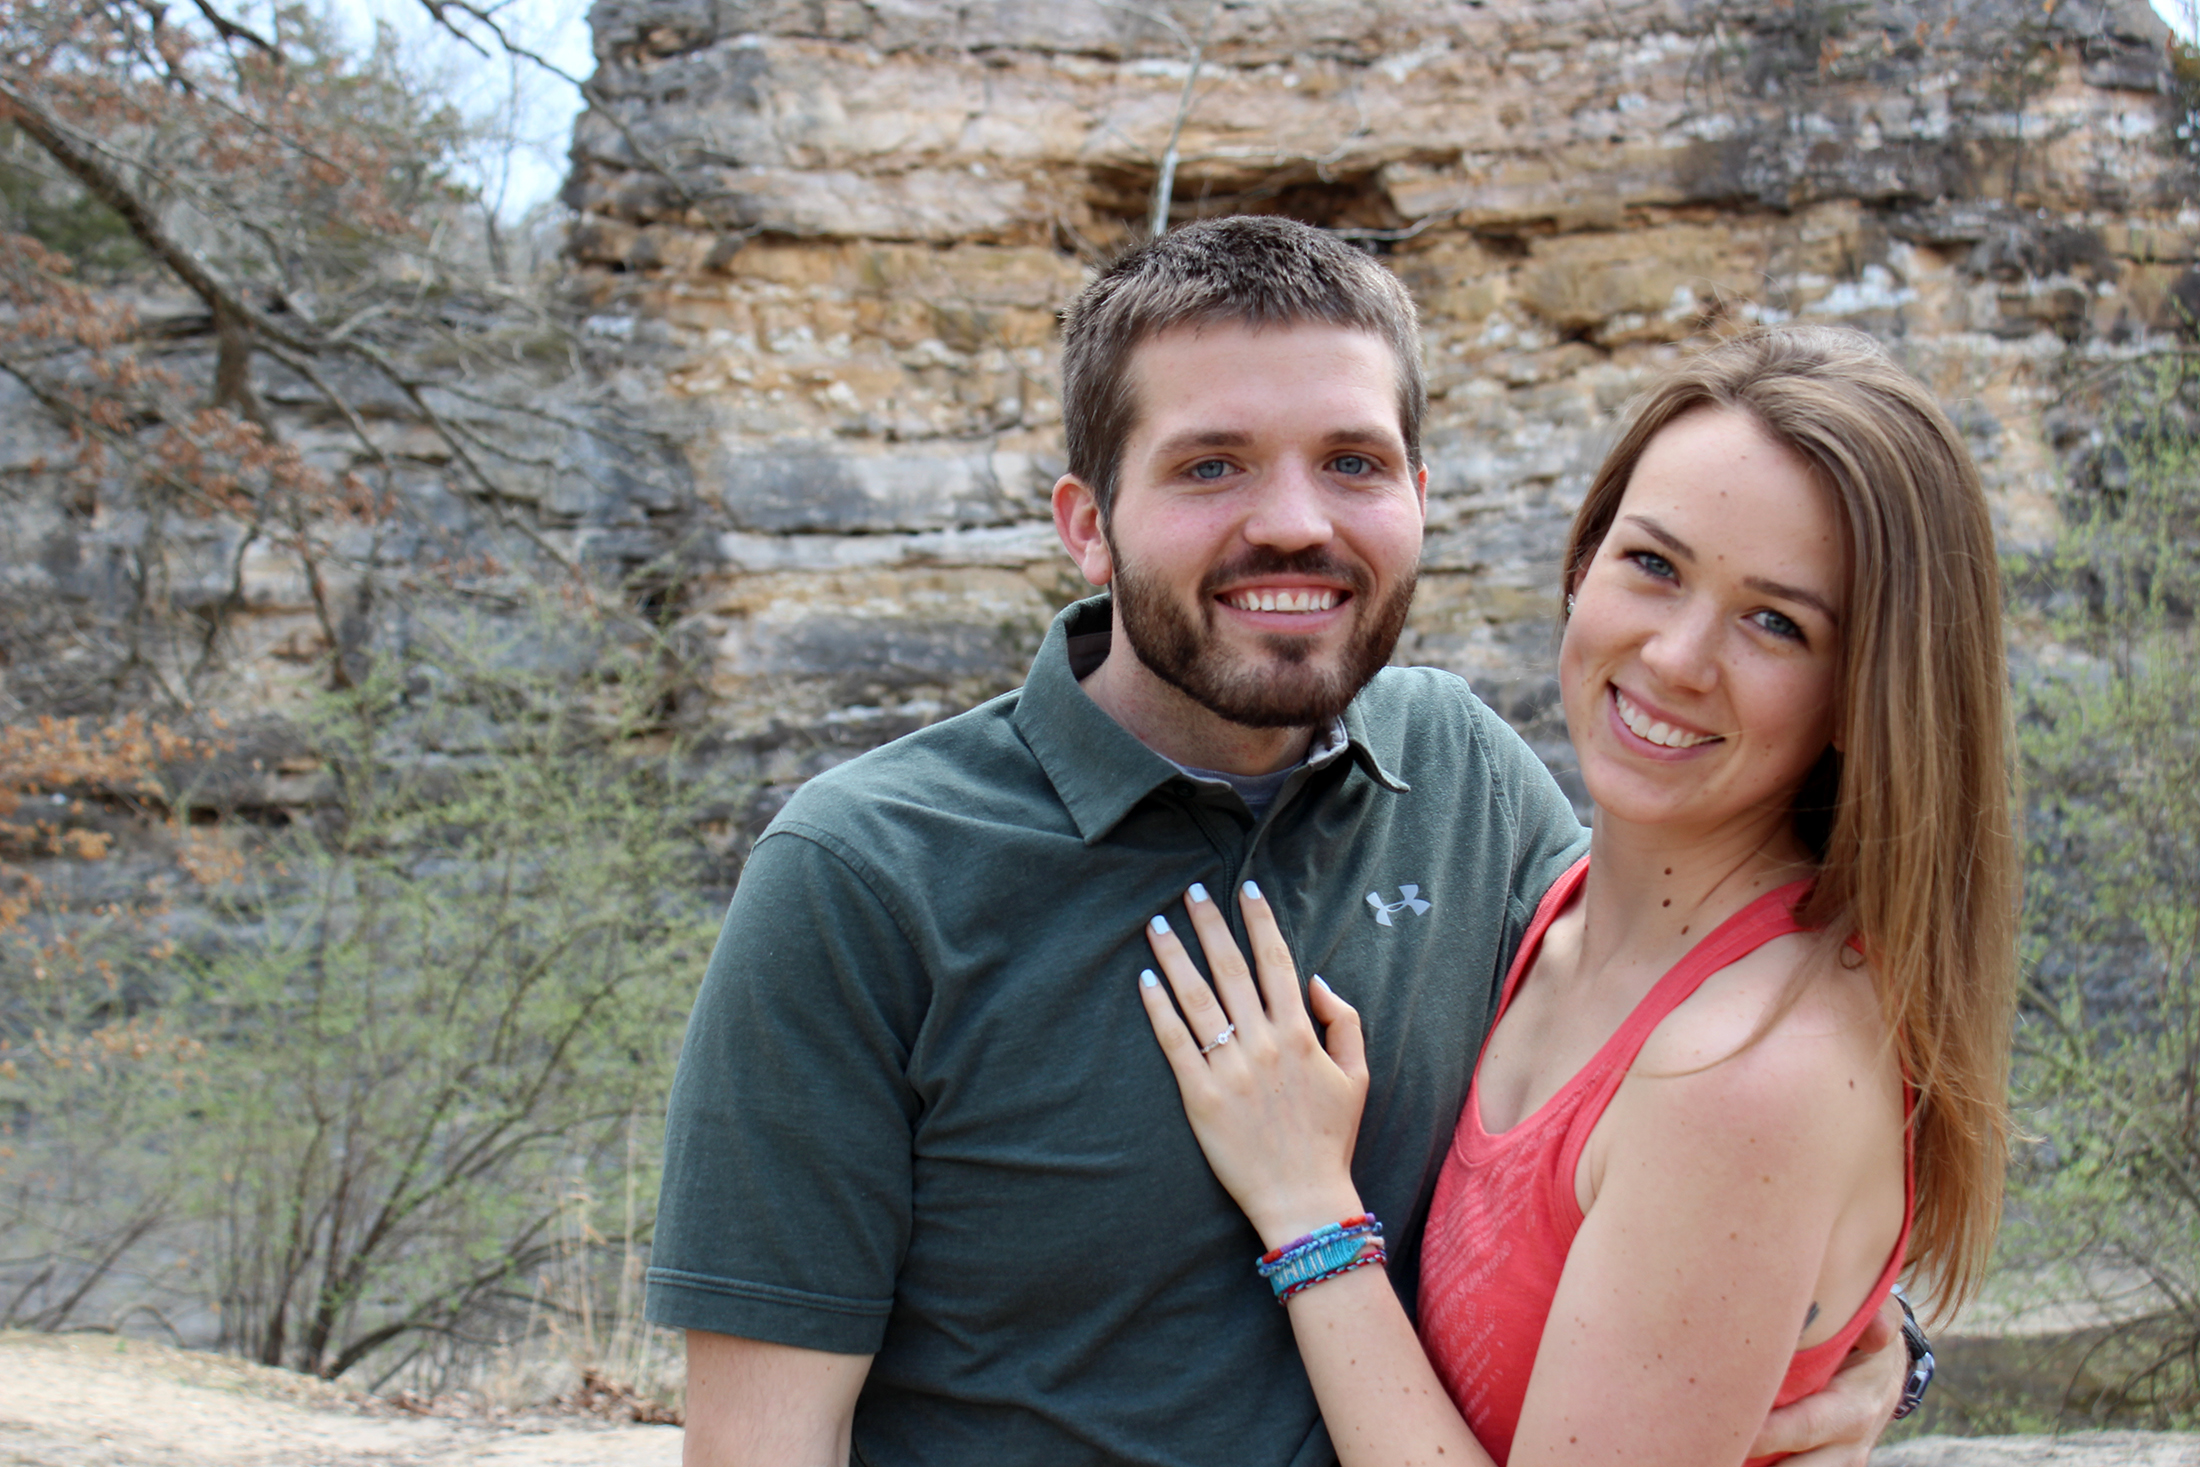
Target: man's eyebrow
(1372, 433)
(1201, 438)
(1781, 589)
(1197, 438)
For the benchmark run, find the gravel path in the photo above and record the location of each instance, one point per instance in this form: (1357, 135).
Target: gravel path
(96, 1401)
(2080, 1449)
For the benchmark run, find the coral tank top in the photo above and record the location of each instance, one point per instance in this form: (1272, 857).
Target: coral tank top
(1505, 1213)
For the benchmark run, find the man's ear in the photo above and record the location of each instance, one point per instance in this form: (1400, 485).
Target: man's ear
(1420, 490)
(1077, 522)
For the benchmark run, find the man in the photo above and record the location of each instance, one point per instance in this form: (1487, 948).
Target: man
(928, 1192)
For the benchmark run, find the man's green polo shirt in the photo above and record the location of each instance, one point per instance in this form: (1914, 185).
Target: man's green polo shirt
(920, 1114)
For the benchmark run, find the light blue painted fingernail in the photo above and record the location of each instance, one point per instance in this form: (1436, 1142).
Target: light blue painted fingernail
(1160, 925)
(1252, 891)
(1198, 893)
(1148, 980)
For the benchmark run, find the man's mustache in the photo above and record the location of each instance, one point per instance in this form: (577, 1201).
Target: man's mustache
(1315, 563)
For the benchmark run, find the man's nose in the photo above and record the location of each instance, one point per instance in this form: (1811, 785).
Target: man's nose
(1291, 511)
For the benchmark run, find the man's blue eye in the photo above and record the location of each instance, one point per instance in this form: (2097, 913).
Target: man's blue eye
(1352, 463)
(1210, 468)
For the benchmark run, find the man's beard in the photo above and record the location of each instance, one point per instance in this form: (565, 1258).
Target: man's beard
(1285, 690)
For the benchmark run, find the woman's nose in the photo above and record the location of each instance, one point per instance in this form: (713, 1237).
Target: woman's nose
(1684, 649)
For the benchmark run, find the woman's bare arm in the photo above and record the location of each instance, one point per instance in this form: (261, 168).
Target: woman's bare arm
(1693, 1275)
(1277, 1108)
(1839, 1426)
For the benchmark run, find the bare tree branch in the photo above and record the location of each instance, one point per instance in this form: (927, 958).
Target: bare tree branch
(492, 494)
(65, 147)
(1164, 186)
(230, 30)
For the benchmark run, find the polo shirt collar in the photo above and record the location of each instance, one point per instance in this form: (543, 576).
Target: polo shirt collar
(1363, 749)
(1100, 770)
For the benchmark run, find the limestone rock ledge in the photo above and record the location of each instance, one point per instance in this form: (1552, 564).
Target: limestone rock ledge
(835, 235)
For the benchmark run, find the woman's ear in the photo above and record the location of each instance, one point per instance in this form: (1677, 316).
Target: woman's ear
(1083, 534)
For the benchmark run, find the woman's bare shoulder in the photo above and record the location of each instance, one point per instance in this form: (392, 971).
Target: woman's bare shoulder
(1790, 1033)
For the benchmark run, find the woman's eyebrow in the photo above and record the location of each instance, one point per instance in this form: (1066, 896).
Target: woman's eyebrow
(1662, 535)
(1680, 548)
(1794, 593)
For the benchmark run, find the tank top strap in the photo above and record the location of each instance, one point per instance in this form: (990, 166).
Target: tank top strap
(1546, 912)
(1765, 918)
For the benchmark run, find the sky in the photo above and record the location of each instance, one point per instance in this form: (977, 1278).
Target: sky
(516, 103)
(535, 111)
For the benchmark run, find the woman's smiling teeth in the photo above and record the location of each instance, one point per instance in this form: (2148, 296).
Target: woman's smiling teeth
(1643, 726)
(1300, 600)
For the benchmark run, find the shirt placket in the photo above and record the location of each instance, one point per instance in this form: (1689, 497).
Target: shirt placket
(1240, 851)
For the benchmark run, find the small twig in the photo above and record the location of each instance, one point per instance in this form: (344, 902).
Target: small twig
(1164, 188)
(114, 1326)
(438, 10)
(1426, 221)
(491, 493)
(230, 30)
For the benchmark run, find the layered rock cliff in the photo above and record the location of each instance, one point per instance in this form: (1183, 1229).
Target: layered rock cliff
(835, 234)
(821, 245)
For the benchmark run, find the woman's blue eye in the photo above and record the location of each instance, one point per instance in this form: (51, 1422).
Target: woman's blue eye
(1780, 626)
(1210, 468)
(1649, 562)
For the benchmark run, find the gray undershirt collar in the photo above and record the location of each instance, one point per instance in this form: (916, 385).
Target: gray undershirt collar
(1259, 791)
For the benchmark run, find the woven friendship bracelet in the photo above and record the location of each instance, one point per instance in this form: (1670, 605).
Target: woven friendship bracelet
(1359, 1225)
(1371, 1252)
(1336, 1248)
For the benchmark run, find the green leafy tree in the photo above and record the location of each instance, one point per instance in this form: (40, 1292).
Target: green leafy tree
(398, 1067)
(2109, 1059)
(329, 1068)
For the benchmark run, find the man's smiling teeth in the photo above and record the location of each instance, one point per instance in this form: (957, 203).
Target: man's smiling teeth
(1281, 600)
(1643, 726)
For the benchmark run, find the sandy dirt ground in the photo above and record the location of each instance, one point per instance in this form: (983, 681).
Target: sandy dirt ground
(2079, 1449)
(95, 1401)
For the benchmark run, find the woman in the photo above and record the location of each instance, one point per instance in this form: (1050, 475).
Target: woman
(1751, 1056)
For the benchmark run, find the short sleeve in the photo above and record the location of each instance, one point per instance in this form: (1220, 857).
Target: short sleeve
(784, 1212)
(1547, 837)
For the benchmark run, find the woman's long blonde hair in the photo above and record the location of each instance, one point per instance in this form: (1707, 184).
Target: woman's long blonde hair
(1911, 822)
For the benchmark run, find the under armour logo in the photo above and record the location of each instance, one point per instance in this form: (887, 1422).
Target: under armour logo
(1409, 896)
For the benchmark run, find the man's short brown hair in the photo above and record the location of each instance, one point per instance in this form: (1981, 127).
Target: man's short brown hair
(1254, 271)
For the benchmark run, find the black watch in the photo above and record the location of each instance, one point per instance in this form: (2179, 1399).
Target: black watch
(1921, 1360)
